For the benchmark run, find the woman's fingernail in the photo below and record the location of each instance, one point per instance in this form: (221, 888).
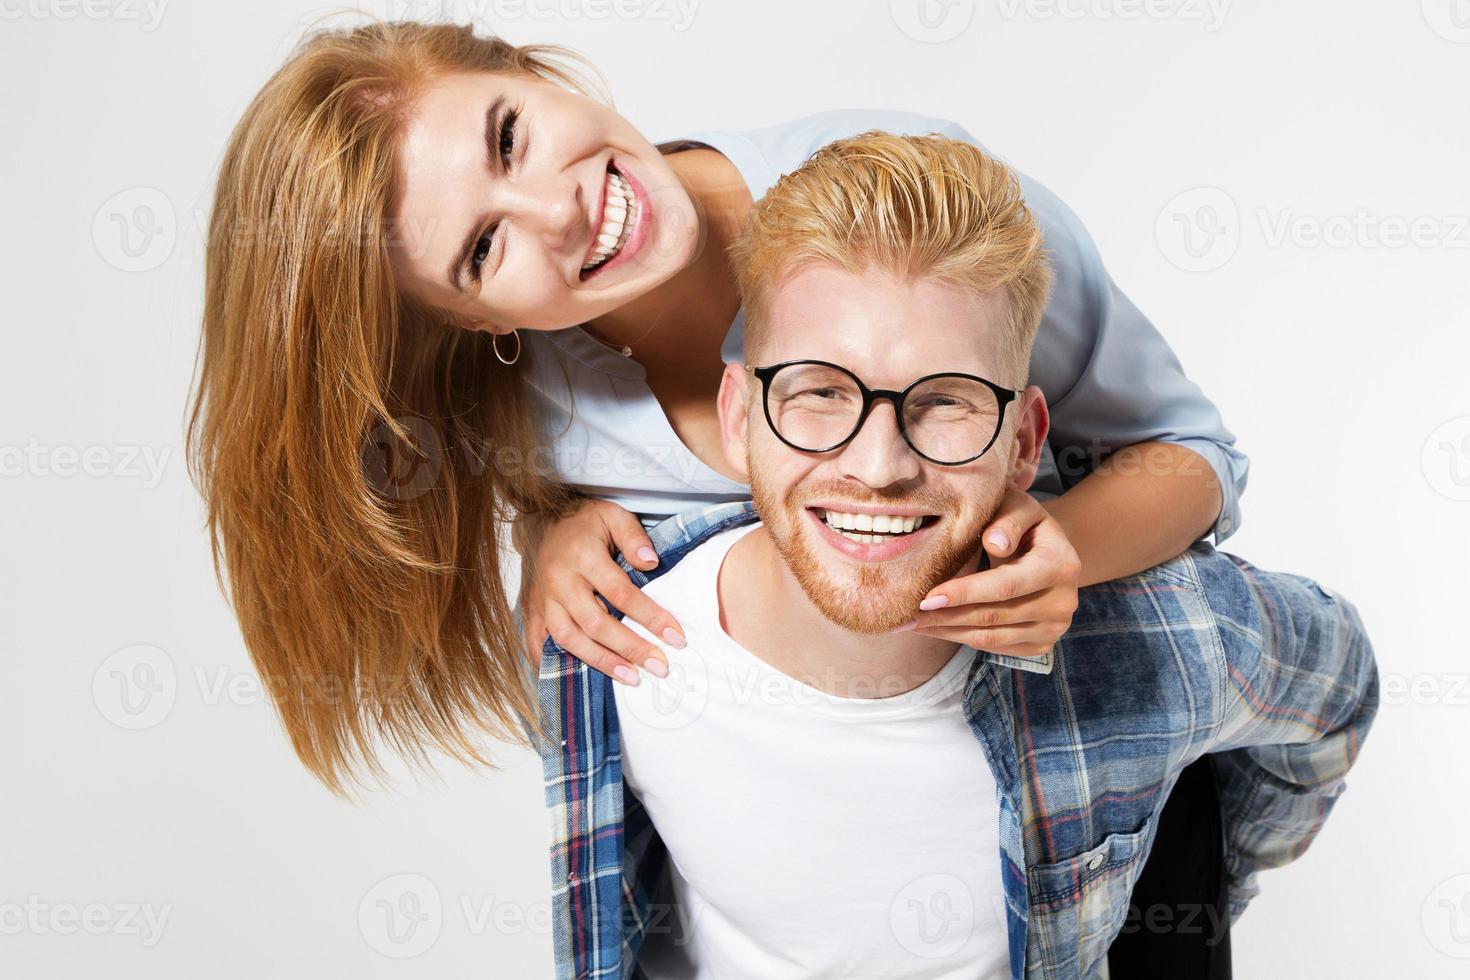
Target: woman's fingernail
(906, 627)
(627, 675)
(646, 554)
(656, 667)
(673, 639)
(934, 602)
(999, 541)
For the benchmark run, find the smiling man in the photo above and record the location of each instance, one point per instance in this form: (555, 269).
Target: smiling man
(815, 790)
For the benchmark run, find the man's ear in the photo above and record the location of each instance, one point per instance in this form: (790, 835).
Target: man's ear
(735, 408)
(1030, 437)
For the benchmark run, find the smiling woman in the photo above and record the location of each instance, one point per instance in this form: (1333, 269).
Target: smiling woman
(371, 601)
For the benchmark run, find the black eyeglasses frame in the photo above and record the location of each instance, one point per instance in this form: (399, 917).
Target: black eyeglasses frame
(871, 396)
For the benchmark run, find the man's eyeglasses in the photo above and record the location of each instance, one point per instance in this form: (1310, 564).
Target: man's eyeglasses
(816, 407)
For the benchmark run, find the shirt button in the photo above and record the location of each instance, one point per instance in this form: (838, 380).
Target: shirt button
(1224, 523)
(1094, 862)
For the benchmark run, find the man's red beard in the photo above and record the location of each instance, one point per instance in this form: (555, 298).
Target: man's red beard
(876, 600)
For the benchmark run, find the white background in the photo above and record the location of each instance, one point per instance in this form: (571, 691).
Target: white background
(1340, 364)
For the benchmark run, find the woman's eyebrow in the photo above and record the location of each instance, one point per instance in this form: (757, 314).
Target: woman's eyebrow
(492, 161)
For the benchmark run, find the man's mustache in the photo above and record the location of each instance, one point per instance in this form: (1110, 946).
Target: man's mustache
(924, 498)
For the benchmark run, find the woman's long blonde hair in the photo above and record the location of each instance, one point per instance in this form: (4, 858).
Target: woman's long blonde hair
(357, 453)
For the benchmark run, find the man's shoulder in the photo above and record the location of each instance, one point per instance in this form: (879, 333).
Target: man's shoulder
(677, 537)
(1204, 584)
(686, 577)
(1148, 649)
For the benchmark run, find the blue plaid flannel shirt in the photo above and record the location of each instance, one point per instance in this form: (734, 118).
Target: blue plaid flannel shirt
(1269, 672)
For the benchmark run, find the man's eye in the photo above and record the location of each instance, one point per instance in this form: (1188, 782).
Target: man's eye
(814, 399)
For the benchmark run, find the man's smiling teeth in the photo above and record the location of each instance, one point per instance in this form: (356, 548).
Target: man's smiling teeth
(870, 528)
(615, 224)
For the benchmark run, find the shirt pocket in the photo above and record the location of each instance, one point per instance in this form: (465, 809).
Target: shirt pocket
(1078, 905)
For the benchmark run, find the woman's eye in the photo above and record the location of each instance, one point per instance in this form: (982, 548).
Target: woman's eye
(482, 249)
(508, 136)
(507, 147)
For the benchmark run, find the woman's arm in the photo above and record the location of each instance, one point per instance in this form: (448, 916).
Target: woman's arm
(1143, 505)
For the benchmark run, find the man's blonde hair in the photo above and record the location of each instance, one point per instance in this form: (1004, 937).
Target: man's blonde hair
(923, 207)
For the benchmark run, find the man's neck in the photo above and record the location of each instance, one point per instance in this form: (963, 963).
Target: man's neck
(765, 610)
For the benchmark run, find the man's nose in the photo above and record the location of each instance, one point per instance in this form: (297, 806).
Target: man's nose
(878, 456)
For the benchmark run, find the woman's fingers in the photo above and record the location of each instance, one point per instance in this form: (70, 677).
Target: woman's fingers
(1048, 561)
(574, 640)
(1021, 640)
(1036, 607)
(603, 628)
(1022, 576)
(534, 633)
(628, 536)
(615, 586)
(1018, 513)
(1020, 606)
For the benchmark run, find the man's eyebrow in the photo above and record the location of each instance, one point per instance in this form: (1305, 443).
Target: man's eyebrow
(462, 256)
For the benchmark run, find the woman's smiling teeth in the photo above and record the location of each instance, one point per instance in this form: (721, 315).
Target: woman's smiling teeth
(870, 528)
(617, 220)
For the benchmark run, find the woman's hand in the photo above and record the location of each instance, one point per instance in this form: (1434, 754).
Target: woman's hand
(1024, 602)
(575, 560)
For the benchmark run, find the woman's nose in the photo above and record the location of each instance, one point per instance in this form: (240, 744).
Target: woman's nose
(552, 208)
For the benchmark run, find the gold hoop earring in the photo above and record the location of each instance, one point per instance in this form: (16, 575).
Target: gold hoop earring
(495, 346)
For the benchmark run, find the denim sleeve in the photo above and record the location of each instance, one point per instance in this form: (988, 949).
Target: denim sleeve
(1110, 378)
(1300, 693)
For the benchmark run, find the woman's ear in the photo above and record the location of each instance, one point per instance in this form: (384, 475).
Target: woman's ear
(734, 404)
(1035, 422)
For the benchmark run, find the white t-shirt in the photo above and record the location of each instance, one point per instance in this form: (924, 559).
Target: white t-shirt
(810, 835)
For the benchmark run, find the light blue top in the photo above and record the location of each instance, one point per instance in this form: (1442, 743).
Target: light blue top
(1109, 378)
